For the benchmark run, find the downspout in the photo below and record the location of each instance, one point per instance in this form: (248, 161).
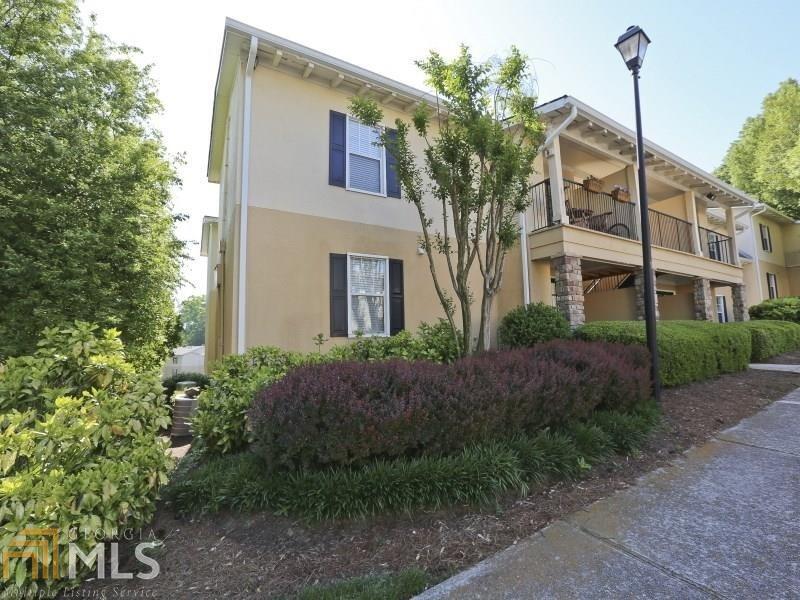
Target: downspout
(754, 212)
(244, 200)
(523, 218)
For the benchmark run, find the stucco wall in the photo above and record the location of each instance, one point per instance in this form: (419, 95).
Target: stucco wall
(288, 292)
(613, 305)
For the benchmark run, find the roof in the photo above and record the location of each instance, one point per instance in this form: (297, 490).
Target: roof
(655, 156)
(282, 54)
(776, 215)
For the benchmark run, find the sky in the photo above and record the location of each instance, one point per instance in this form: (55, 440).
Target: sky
(708, 67)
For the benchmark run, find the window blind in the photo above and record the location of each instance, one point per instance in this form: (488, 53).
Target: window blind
(365, 157)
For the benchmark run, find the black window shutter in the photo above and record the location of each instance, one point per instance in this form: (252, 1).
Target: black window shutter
(337, 161)
(397, 317)
(392, 180)
(338, 295)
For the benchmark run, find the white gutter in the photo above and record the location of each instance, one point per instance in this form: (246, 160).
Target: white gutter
(523, 218)
(245, 196)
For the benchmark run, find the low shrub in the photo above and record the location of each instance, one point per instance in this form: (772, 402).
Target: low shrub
(532, 324)
(170, 383)
(475, 475)
(350, 413)
(777, 309)
(433, 342)
(769, 338)
(220, 422)
(79, 449)
(688, 350)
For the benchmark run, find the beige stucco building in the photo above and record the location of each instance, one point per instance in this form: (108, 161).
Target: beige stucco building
(313, 235)
(770, 244)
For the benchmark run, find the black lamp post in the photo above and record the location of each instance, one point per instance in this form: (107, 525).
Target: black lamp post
(632, 45)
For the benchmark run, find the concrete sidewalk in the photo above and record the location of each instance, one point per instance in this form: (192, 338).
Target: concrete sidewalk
(722, 522)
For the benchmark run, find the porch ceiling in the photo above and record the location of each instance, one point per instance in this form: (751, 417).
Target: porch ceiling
(616, 140)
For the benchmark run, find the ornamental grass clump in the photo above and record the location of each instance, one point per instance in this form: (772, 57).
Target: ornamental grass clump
(351, 413)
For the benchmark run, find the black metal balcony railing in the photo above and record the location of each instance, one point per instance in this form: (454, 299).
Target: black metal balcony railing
(670, 232)
(716, 246)
(599, 211)
(541, 206)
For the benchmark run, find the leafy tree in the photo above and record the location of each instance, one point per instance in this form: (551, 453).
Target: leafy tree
(86, 230)
(481, 139)
(193, 321)
(765, 159)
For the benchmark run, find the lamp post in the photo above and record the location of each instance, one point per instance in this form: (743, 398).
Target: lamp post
(632, 45)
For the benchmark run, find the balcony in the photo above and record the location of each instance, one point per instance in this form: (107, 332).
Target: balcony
(598, 211)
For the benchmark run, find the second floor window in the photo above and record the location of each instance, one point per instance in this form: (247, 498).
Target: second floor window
(366, 160)
(766, 239)
(772, 285)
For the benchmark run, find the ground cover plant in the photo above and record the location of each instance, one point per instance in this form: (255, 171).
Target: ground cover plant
(79, 445)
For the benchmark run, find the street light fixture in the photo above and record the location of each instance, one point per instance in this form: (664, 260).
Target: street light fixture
(632, 45)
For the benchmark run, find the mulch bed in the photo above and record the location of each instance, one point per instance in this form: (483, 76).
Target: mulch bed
(259, 555)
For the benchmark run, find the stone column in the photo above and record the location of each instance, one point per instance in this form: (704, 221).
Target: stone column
(569, 288)
(739, 293)
(638, 282)
(704, 309)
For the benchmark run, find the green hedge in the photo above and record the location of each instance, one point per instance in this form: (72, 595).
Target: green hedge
(474, 476)
(688, 350)
(769, 338)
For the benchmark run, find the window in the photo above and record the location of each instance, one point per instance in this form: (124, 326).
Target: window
(722, 310)
(772, 285)
(366, 161)
(368, 285)
(355, 162)
(766, 238)
(366, 295)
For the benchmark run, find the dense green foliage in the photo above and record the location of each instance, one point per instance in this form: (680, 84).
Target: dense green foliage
(688, 350)
(170, 383)
(777, 309)
(531, 324)
(769, 338)
(79, 445)
(346, 413)
(765, 159)
(481, 138)
(86, 230)
(193, 321)
(395, 586)
(476, 475)
(221, 419)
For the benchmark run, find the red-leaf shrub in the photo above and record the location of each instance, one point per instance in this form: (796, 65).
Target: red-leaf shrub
(350, 412)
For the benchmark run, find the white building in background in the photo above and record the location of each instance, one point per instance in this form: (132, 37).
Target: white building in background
(185, 359)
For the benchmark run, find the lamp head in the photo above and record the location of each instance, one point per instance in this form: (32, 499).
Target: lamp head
(632, 45)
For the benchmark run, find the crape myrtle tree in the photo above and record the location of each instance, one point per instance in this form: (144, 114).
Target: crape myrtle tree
(480, 140)
(765, 159)
(86, 230)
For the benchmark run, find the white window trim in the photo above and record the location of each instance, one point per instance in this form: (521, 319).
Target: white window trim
(382, 194)
(350, 332)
